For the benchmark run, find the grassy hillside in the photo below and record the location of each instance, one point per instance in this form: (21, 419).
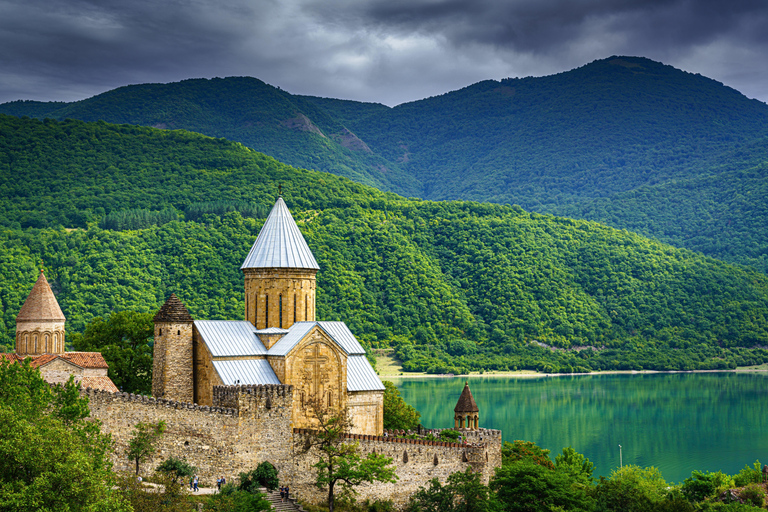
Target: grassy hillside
(625, 141)
(450, 285)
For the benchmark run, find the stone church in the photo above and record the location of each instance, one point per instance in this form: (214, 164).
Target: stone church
(40, 328)
(278, 342)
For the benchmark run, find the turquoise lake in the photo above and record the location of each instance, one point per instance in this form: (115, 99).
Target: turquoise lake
(677, 422)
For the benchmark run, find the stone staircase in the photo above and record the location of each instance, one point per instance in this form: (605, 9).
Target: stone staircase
(288, 505)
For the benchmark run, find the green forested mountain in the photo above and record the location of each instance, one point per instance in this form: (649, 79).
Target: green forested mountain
(450, 285)
(625, 141)
(268, 119)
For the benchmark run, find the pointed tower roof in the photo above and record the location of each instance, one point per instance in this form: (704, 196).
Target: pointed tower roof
(466, 403)
(280, 244)
(41, 304)
(173, 311)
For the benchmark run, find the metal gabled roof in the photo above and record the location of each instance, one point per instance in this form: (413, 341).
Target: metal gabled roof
(295, 334)
(361, 375)
(245, 371)
(280, 244)
(337, 331)
(343, 336)
(230, 338)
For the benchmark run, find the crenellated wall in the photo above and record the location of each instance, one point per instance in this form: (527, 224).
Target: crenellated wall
(250, 424)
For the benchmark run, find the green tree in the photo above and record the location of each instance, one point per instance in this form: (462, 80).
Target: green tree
(525, 486)
(170, 495)
(631, 489)
(176, 468)
(702, 485)
(232, 499)
(575, 463)
(52, 457)
(397, 413)
(123, 338)
(520, 450)
(143, 441)
(464, 492)
(265, 475)
(338, 461)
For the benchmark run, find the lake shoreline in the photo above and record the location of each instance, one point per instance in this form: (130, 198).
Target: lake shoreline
(530, 375)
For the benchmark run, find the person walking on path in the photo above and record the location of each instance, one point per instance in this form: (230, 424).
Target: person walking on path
(194, 484)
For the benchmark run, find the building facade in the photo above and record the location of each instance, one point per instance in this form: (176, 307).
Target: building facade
(279, 342)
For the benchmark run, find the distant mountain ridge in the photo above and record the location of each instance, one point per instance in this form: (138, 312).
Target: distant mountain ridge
(625, 140)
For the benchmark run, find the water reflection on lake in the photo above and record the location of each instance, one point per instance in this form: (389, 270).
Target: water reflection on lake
(676, 422)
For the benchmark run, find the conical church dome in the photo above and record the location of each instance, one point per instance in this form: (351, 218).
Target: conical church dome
(280, 244)
(41, 304)
(466, 401)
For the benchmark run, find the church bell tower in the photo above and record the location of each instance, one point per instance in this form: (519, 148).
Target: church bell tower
(40, 323)
(279, 274)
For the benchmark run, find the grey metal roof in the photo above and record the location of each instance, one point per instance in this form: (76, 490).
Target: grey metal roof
(361, 376)
(337, 331)
(280, 244)
(343, 336)
(230, 338)
(248, 371)
(272, 330)
(295, 334)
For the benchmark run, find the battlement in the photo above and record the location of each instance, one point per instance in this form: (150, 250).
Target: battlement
(234, 396)
(97, 397)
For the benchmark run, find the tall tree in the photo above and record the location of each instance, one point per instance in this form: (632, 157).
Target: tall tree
(123, 338)
(397, 413)
(339, 461)
(52, 456)
(143, 441)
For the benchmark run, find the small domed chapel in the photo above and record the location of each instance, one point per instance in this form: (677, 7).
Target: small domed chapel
(278, 342)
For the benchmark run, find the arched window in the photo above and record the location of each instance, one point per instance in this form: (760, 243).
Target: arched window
(55, 348)
(266, 313)
(280, 309)
(294, 308)
(47, 344)
(330, 398)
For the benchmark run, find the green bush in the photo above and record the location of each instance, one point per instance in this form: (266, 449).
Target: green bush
(754, 494)
(749, 475)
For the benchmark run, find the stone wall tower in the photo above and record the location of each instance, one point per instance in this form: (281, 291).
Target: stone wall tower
(466, 414)
(279, 274)
(172, 370)
(40, 323)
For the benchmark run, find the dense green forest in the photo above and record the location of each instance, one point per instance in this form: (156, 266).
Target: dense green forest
(625, 141)
(452, 286)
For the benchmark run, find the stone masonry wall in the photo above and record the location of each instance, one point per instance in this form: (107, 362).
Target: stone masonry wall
(417, 462)
(267, 289)
(251, 424)
(220, 441)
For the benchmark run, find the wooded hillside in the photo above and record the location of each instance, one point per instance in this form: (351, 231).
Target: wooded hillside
(624, 140)
(450, 285)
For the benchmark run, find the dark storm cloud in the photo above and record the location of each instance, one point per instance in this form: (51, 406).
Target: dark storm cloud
(375, 50)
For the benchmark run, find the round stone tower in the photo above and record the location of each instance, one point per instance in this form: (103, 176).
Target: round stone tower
(279, 274)
(172, 371)
(466, 414)
(40, 323)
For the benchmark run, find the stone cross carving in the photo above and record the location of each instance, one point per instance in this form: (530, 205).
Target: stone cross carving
(316, 361)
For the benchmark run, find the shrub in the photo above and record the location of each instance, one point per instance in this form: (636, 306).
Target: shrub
(754, 494)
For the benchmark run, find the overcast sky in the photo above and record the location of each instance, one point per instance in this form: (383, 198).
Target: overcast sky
(387, 51)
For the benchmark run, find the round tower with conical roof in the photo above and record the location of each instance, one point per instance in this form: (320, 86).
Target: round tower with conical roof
(172, 370)
(466, 414)
(40, 323)
(279, 274)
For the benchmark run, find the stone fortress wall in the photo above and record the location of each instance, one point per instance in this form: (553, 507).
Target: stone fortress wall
(251, 424)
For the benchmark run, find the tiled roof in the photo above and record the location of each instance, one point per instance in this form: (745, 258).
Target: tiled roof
(81, 359)
(466, 402)
(102, 383)
(230, 338)
(280, 244)
(173, 311)
(85, 359)
(41, 304)
(248, 371)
